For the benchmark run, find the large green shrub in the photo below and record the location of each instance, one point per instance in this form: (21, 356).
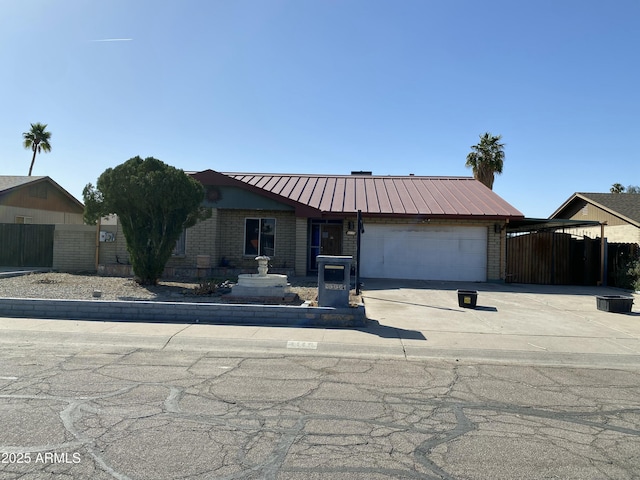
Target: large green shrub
(154, 202)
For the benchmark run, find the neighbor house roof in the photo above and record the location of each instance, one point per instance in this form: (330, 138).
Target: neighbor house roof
(9, 183)
(623, 205)
(384, 195)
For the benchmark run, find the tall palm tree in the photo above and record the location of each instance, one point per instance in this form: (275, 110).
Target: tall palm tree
(487, 158)
(37, 139)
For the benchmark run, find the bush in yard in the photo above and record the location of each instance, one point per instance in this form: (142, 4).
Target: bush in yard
(154, 203)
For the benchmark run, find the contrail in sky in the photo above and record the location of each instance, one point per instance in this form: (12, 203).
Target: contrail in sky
(113, 40)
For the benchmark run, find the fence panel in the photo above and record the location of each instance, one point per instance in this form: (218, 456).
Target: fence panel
(26, 245)
(550, 258)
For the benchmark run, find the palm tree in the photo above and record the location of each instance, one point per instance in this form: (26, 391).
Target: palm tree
(37, 140)
(487, 158)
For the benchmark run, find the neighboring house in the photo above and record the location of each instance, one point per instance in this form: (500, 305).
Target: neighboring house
(432, 228)
(41, 225)
(37, 200)
(619, 211)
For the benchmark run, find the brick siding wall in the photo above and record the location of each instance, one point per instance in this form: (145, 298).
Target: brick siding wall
(74, 248)
(613, 233)
(231, 238)
(114, 252)
(301, 251)
(222, 235)
(201, 241)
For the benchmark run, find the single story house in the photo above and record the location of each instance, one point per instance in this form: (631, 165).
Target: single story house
(415, 227)
(39, 225)
(37, 200)
(620, 212)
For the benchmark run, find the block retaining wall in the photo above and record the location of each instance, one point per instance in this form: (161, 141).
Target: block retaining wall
(183, 312)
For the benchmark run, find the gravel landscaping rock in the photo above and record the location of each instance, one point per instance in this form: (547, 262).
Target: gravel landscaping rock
(86, 286)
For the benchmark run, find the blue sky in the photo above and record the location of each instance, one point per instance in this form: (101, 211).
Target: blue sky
(327, 86)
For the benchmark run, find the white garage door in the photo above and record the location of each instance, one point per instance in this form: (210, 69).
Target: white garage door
(424, 252)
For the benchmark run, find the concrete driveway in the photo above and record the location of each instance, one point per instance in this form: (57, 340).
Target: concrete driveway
(556, 324)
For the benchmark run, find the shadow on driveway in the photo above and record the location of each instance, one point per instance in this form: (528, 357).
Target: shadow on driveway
(411, 303)
(385, 331)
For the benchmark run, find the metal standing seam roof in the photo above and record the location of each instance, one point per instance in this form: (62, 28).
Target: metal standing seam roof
(385, 195)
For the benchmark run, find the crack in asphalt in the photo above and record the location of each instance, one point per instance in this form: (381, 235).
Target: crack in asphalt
(150, 414)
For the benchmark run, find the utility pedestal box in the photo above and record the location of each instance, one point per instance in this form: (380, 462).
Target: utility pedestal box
(334, 280)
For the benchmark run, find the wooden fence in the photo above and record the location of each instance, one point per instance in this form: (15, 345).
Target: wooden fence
(553, 259)
(26, 245)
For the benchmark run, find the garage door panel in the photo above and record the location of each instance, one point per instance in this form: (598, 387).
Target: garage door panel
(424, 252)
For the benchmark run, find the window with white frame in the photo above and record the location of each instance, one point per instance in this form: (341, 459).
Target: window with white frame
(181, 244)
(23, 219)
(259, 236)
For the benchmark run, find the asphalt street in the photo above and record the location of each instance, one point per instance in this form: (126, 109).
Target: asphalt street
(129, 413)
(530, 385)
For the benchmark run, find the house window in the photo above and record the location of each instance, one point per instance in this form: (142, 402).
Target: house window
(23, 219)
(181, 244)
(259, 236)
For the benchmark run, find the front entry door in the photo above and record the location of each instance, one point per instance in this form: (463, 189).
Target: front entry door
(330, 239)
(325, 239)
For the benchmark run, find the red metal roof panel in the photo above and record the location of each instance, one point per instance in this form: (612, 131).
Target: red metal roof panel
(404, 195)
(337, 202)
(383, 197)
(329, 194)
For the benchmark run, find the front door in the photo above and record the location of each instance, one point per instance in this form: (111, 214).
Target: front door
(326, 239)
(331, 239)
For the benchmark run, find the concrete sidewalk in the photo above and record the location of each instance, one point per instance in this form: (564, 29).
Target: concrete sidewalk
(550, 325)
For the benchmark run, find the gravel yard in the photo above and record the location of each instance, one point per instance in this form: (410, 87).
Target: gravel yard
(82, 287)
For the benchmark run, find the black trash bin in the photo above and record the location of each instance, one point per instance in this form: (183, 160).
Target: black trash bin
(467, 298)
